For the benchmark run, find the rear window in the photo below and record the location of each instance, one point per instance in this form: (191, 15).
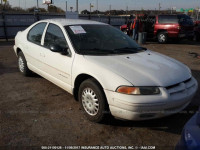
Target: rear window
(35, 34)
(185, 20)
(167, 19)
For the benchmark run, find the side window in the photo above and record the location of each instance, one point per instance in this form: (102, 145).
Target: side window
(35, 34)
(167, 19)
(54, 36)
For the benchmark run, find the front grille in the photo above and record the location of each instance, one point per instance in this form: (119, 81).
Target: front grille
(180, 87)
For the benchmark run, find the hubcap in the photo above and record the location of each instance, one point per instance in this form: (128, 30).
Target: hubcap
(90, 101)
(21, 64)
(162, 38)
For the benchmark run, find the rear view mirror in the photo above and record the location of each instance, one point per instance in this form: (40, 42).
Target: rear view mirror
(65, 51)
(55, 48)
(58, 49)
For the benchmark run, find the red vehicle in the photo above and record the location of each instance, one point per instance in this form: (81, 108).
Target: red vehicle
(165, 27)
(197, 22)
(124, 28)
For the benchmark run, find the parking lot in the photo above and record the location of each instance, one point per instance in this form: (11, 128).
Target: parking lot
(35, 112)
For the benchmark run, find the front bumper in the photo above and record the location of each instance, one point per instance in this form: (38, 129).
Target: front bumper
(144, 107)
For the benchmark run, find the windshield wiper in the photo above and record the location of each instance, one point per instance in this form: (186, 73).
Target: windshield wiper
(142, 48)
(97, 51)
(126, 50)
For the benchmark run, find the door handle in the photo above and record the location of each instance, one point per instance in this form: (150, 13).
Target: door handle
(41, 54)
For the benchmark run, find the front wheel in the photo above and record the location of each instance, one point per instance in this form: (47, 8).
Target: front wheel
(22, 65)
(125, 31)
(93, 100)
(162, 37)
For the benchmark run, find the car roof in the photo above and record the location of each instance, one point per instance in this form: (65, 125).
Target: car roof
(66, 22)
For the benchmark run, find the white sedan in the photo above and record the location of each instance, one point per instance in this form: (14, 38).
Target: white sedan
(104, 69)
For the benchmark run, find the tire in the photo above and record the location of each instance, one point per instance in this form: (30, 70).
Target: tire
(93, 100)
(191, 38)
(125, 32)
(22, 65)
(162, 37)
(196, 37)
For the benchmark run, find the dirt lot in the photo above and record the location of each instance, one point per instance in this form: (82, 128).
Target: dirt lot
(35, 112)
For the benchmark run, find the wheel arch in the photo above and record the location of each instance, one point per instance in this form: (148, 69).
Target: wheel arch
(79, 79)
(162, 30)
(18, 50)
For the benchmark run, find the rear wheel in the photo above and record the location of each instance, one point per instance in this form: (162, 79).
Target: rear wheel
(162, 37)
(197, 37)
(93, 100)
(22, 65)
(125, 32)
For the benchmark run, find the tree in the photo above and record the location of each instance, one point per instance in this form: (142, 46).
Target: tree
(55, 9)
(33, 8)
(6, 6)
(18, 9)
(85, 12)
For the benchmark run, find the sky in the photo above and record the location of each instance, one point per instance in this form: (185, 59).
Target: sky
(115, 4)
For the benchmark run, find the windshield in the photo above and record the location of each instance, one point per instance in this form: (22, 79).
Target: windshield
(101, 39)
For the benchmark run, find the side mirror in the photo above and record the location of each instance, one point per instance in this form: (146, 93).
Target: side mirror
(55, 48)
(58, 49)
(65, 51)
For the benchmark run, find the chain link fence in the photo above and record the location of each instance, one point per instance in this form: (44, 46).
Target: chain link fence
(11, 23)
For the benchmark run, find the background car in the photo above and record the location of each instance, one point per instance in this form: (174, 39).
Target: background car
(165, 27)
(190, 138)
(197, 32)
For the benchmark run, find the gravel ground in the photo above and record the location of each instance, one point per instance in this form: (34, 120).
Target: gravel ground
(35, 112)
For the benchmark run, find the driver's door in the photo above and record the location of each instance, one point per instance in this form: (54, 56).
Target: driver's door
(56, 65)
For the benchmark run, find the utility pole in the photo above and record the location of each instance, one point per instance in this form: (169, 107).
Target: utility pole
(66, 6)
(19, 4)
(110, 8)
(126, 10)
(97, 7)
(90, 8)
(76, 5)
(159, 6)
(1, 2)
(37, 4)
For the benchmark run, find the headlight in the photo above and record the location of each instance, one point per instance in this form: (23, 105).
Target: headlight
(138, 90)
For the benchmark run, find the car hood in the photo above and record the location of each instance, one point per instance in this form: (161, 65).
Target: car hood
(145, 68)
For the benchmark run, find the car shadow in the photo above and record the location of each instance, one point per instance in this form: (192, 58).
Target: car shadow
(8, 70)
(183, 42)
(173, 124)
